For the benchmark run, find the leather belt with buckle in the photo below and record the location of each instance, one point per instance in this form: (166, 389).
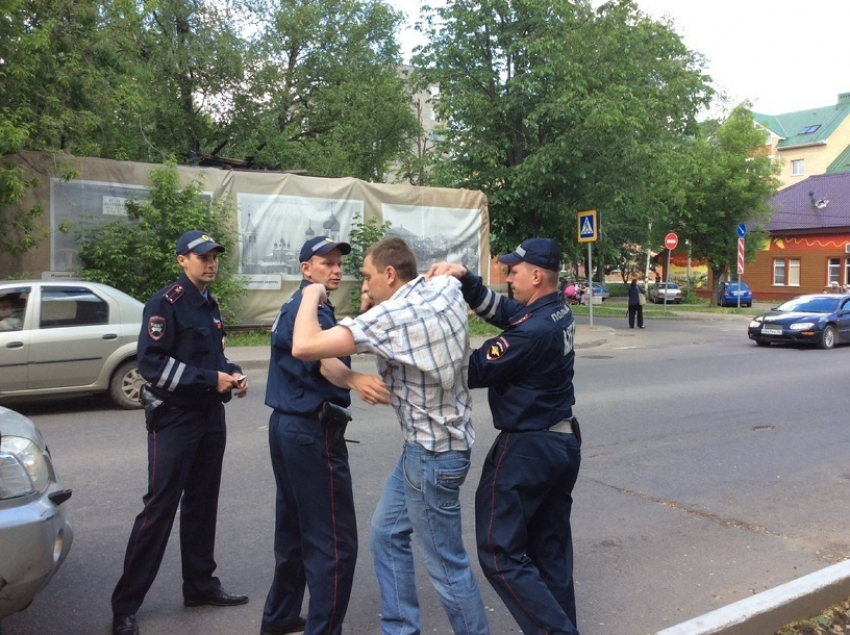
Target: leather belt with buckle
(564, 427)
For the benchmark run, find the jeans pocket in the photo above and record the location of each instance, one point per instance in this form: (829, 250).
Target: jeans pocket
(447, 484)
(411, 469)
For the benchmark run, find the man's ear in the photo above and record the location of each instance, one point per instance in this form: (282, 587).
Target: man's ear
(305, 269)
(391, 274)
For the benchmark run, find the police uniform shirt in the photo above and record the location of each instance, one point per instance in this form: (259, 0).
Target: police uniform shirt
(294, 386)
(528, 368)
(181, 347)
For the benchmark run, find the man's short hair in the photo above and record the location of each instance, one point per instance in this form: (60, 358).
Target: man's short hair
(394, 252)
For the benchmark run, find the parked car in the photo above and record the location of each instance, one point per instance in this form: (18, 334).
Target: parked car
(731, 291)
(669, 289)
(822, 319)
(69, 337)
(35, 532)
(599, 289)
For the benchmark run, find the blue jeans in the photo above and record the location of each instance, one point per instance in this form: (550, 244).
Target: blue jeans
(421, 498)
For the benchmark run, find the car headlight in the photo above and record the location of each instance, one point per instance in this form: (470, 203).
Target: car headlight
(755, 323)
(23, 469)
(802, 326)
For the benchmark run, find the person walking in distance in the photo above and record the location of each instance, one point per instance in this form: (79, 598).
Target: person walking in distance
(182, 356)
(637, 298)
(315, 539)
(524, 498)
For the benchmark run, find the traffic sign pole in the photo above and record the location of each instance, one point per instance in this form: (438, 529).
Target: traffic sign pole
(670, 242)
(741, 252)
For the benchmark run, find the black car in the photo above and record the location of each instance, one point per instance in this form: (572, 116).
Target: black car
(821, 318)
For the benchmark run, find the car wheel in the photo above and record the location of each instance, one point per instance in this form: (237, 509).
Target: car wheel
(827, 340)
(762, 343)
(125, 386)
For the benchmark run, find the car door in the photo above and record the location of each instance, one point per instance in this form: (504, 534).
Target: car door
(14, 344)
(73, 338)
(844, 321)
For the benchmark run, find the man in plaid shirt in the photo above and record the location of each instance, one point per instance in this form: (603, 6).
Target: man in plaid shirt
(418, 331)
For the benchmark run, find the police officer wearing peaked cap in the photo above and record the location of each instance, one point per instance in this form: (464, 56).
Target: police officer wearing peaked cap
(524, 497)
(181, 355)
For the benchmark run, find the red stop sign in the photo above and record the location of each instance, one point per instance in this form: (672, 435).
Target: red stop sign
(671, 240)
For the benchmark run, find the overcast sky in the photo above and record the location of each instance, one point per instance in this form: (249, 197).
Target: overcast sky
(782, 57)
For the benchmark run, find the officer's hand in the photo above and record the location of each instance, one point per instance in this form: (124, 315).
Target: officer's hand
(316, 290)
(241, 386)
(371, 389)
(445, 269)
(226, 382)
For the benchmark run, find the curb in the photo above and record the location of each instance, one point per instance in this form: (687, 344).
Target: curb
(768, 611)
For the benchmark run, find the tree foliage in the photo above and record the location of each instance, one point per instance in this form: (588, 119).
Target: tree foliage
(726, 179)
(137, 255)
(553, 107)
(362, 236)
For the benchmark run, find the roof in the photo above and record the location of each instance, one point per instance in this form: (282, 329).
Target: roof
(818, 202)
(806, 127)
(841, 162)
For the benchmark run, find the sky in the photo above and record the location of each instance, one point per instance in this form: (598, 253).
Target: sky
(781, 57)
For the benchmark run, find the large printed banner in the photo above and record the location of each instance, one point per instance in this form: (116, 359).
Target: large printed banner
(275, 214)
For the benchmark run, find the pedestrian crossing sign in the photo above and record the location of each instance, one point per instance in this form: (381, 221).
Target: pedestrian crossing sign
(588, 230)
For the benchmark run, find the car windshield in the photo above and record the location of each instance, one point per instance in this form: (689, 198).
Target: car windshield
(667, 285)
(733, 286)
(809, 305)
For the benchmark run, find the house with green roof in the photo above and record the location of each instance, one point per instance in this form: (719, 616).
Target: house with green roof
(809, 142)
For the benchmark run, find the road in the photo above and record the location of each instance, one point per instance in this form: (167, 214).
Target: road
(712, 469)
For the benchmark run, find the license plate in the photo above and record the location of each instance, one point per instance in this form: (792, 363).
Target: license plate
(771, 330)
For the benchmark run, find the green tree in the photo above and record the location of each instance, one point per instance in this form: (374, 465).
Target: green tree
(362, 236)
(137, 255)
(553, 107)
(726, 179)
(323, 91)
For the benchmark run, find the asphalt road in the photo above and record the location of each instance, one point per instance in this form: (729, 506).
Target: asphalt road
(712, 469)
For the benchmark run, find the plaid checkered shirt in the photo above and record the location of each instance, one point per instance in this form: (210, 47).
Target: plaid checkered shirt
(420, 338)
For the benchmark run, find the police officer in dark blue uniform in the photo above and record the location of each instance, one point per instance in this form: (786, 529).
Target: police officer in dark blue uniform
(524, 498)
(181, 354)
(315, 542)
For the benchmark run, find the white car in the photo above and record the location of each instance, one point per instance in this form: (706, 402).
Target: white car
(35, 533)
(68, 337)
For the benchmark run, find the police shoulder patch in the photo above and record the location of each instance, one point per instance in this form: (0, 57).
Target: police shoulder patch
(156, 327)
(497, 349)
(174, 293)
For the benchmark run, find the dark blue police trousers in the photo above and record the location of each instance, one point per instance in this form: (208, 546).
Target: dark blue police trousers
(185, 455)
(315, 540)
(522, 526)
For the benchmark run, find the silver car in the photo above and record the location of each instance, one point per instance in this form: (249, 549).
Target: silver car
(35, 533)
(68, 337)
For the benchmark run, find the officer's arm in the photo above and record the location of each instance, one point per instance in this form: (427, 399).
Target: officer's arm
(501, 359)
(492, 307)
(309, 341)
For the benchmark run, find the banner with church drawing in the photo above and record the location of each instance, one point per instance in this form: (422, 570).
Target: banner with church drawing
(274, 215)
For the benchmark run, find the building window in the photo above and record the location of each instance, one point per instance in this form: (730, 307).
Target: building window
(786, 273)
(793, 272)
(833, 271)
(779, 271)
(809, 129)
(847, 271)
(797, 167)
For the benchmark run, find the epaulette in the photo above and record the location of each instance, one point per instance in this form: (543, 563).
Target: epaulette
(174, 293)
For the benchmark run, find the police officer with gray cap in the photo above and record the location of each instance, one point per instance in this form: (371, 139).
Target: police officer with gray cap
(524, 497)
(181, 355)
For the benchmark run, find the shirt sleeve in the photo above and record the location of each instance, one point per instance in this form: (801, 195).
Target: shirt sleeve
(487, 304)
(502, 358)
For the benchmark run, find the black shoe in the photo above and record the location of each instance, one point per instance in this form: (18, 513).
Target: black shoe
(641, 327)
(124, 625)
(296, 627)
(217, 598)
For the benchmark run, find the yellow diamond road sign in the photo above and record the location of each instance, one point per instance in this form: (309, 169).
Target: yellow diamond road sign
(588, 229)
